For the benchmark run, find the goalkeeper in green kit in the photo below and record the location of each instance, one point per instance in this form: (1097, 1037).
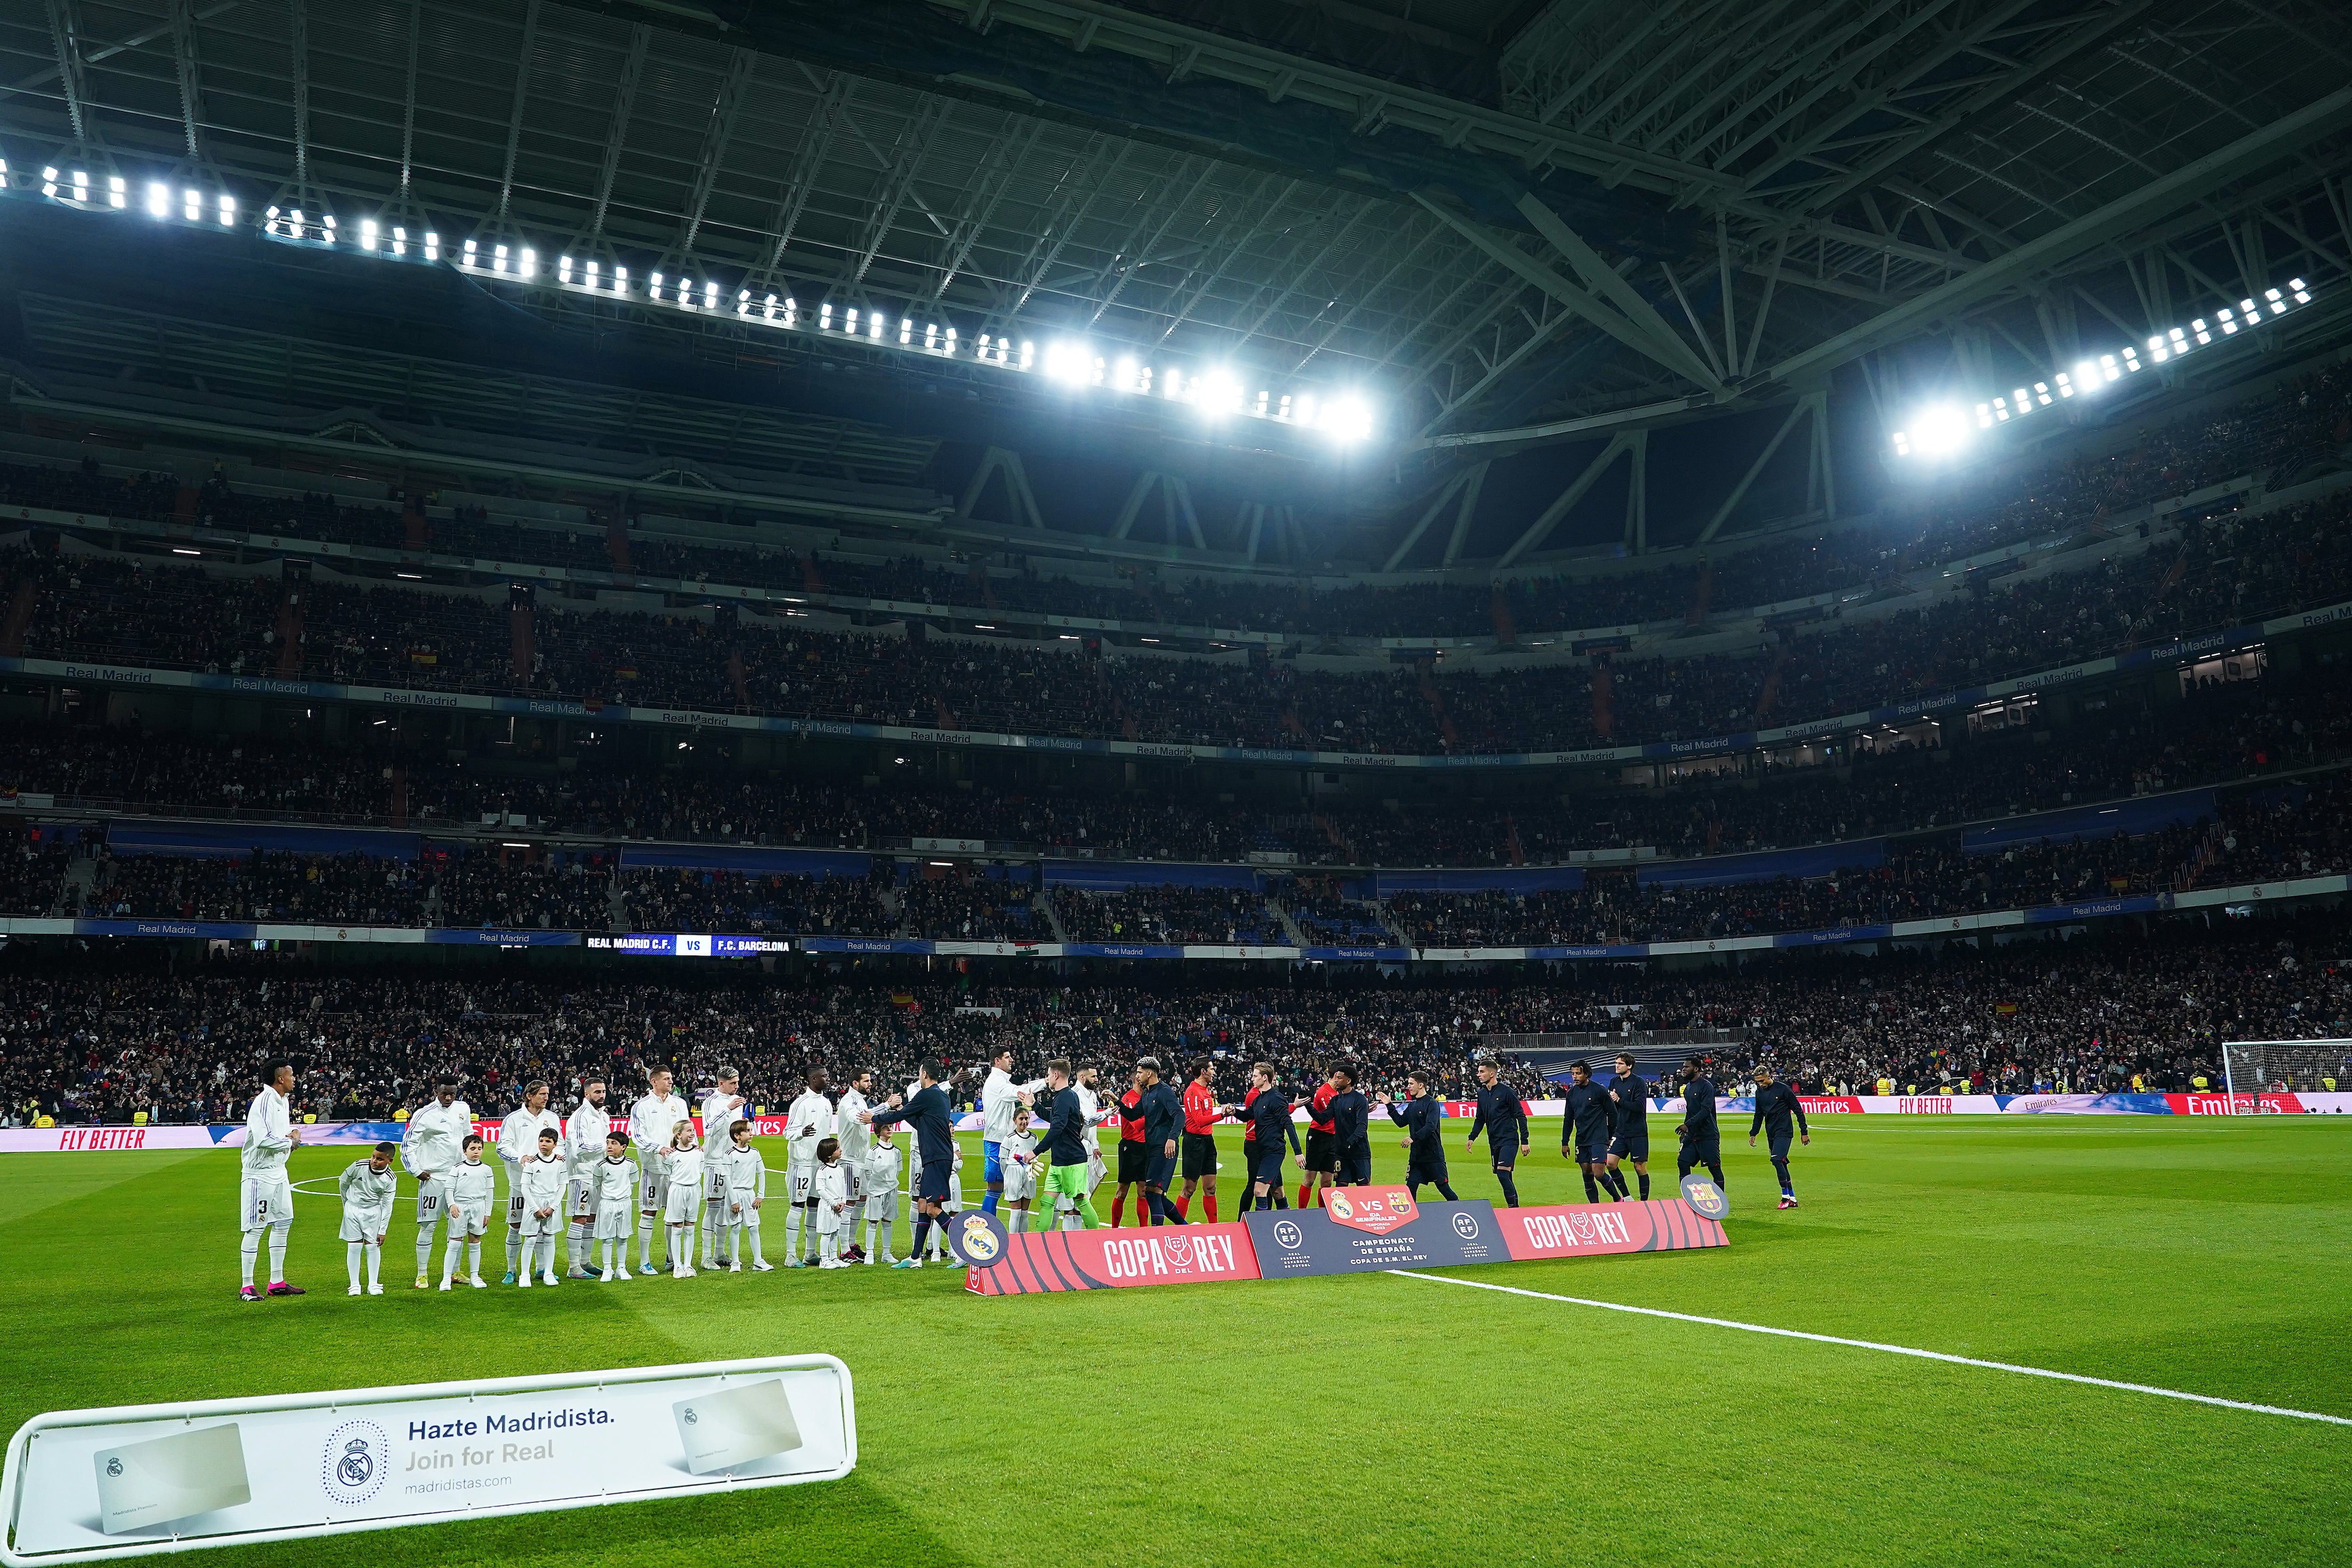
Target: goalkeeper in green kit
(1064, 1142)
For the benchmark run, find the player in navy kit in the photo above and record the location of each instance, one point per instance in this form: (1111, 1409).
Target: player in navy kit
(1702, 1141)
(1632, 1144)
(1775, 1106)
(1590, 1118)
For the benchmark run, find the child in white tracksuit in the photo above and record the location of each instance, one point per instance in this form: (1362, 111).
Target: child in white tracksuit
(684, 1198)
(545, 1176)
(881, 1186)
(1017, 1153)
(831, 1194)
(747, 1191)
(473, 1193)
(368, 1187)
(613, 1182)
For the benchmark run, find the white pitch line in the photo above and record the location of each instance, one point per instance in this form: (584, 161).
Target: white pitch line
(1890, 1349)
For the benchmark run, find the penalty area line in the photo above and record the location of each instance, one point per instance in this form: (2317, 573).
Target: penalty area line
(1890, 1349)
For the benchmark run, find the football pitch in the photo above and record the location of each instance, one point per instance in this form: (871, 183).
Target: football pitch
(1381, 1418)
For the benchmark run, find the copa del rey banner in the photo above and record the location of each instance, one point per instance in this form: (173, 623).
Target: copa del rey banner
(1364, 1230)
(84, 1485)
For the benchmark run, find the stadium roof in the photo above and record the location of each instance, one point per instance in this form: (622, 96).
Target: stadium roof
(1499, 222)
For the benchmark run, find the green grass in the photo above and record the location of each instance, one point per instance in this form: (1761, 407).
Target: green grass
(1378, 1419)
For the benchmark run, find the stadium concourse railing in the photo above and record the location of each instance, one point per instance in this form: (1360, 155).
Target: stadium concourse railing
(715, 945)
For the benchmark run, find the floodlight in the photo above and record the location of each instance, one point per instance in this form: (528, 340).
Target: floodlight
(367, 239)
(2108, 367)
(192, 201)
(1028, 353)
(82, 186)
(497, 259)
(824, 317)
(228, 209)
(906, 332)
(2294, 285)
(1349, 419)
(159, 199)
(1218, 391)
(2000, 409)
(326, 229)
(874, 325)
(2229, 326)
(431, 246)
(118, 197)
(49, 182)
(2278, 306)
(1984, 415)
(620, 279)
(2198, 326)
(655, 287)
(1941, 430)
(709, 295)
(467, 258)
(948, 342)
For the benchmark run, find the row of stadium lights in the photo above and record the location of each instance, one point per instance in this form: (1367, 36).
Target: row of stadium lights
(1943, 430)
(1215, 392)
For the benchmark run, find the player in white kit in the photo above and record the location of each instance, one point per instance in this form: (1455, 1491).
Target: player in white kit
(368, 1188)
(721, 1106)
(856, 1138)
(435, 1146)
(518, 1142)
(880, 1182)
(264, 1199)
(747, 1193)
(583, 1146)
(657, 1111)
(473, 1195)
(614, 1178)
(543, 1177)
(804, 1123)
(684, 1198)
(1097, 1168)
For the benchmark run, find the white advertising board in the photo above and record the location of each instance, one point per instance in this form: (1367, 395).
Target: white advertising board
(82, 1485)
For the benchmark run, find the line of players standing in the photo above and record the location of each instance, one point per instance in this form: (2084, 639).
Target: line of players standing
(591, 1182)
(588, 1180)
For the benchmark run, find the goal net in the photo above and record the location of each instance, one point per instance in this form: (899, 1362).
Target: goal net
(2253, 1067)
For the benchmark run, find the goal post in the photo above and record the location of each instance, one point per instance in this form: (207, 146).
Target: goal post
(2251, 1068)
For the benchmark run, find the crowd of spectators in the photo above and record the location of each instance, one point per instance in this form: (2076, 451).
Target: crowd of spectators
(666, 899)
(2298, 828)
(1167, 915)
(85, 1044)
(268, 885)
(2226, 571)
(2269, 435)
(2216, 733)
